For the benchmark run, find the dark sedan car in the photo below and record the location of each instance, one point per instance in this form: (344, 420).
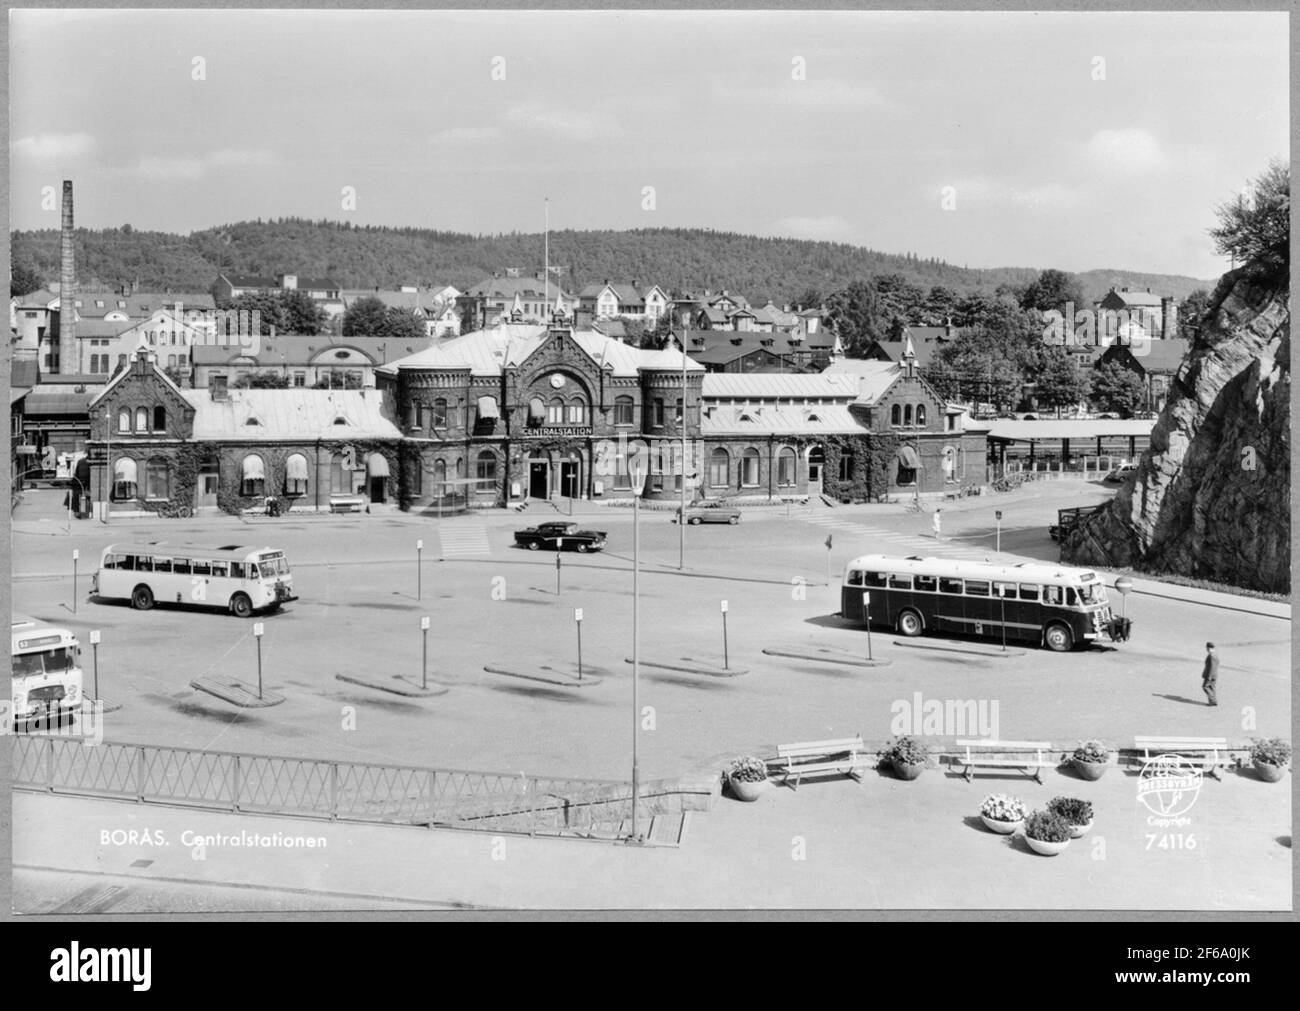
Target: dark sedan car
(560, 536)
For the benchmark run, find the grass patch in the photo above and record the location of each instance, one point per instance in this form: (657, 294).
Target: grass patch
(1205, 584)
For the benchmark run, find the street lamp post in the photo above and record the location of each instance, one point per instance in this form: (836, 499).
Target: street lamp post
(636, 465)
(681, 516)
(998, 516)
(258, 629)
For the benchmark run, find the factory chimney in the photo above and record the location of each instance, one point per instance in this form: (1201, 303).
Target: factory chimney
(68, 357)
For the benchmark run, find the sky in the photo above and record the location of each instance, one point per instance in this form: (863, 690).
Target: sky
(1071, 140)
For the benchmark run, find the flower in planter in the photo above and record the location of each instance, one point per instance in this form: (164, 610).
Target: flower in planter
(1047, 827)
(747, 769)
(905, 751)
(1073, 810)
(1001, 807)
(1092, 751)
(1273, 751)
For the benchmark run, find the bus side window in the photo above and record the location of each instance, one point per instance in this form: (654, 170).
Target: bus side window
(855, 577)
(874, 578)
(1028, 591)
(925, 584)
(950, 585)
(897, 582)
(977, 588)
(143, 563)
(110, 562)
(202, 568)
(1051, 595)
(182, 566)
(162, 565)
(126, 561)
(219, 568)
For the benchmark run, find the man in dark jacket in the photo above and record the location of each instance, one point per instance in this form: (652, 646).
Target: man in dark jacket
(1210, 675)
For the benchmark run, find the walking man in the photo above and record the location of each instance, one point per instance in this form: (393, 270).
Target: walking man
(1210, 676)
(938, 526)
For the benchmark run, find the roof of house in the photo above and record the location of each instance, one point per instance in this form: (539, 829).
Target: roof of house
(611, 327)
(293, 414)
(303, 349)
(23, 372)
(722, 346)
(924, 349)
(69, 396)
(39, 299)
(784, 419)
(425, 298)
(487, 352)
(98, 328)
(1052, 428)
(1133, 297)
(525, 287)
(141, 304)
(775, 385)
(861, 367)
(1155, 355)
(625, 293)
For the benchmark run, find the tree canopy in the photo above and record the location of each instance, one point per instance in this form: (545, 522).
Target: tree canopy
(1255, 229)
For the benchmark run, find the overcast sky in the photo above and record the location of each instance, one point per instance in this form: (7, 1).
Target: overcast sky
(183, 121)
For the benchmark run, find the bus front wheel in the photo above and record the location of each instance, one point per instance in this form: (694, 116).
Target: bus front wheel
(1059, 638)
(142, 598)
(241, 606)
(909, 623)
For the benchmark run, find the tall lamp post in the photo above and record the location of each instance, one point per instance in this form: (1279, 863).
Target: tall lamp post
(681, 516)
(636, 465)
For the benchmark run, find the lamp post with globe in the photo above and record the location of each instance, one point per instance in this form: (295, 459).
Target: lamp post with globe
(637, 467)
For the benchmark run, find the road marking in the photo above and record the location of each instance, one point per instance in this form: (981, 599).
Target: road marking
(461, 539)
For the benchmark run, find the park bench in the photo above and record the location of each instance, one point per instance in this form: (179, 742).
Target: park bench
(1206, 749)
(843, 757)
(989, 754)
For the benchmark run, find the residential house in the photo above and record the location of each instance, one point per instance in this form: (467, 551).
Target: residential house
(435, 307)
(305, 361)
(758, 351)
(633, 301)
(325, 292)
(1154, 362)
(1156, 315)
(514, 299)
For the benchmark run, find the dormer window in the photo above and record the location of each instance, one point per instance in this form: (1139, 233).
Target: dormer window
(252, 421)
(340, 420)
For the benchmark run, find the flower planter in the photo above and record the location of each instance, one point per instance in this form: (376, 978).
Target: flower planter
(1001, 827)
(1091, 771)
(1079, 830)
(1047, 849)
(907, 770)
(1268, 772)
(748, 791)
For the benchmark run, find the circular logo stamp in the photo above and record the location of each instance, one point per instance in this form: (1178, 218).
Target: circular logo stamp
(1168, 785)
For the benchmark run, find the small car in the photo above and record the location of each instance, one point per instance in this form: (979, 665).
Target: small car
(557, 536)
(1121, 473)
(711, 512)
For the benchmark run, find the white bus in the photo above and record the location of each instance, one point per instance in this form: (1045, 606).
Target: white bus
(236, 579)
(1051, 605)
(46, 672)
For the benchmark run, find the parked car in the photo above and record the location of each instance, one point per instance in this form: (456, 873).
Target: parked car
(1121, 473)
(559, 536)
(711, 512)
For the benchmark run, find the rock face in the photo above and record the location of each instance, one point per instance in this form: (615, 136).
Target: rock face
(1212, 497)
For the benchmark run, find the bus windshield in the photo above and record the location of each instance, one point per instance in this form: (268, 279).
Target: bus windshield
(51, 661)
(272, 567)
(1092, 593)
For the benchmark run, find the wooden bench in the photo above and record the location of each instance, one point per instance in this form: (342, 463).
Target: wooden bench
(1207, 749)
(843, 757)
(982, 754)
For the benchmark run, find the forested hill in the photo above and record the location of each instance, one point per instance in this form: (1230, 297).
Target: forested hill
(785, 270)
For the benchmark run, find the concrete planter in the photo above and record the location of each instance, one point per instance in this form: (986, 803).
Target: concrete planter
(1001, 827)
(906, 770)
(1091, 771)
(1269, 773)
(748, 791)
(1047, 849)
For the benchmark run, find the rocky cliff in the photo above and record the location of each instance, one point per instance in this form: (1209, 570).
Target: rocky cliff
(1212, 497)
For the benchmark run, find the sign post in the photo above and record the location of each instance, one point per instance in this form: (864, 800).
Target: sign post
(419, 569)
(866, 614)
(998, 516)
(1002, 599)
(726, 662)
(258, 629)
(828, 559)
(424, 662)
(559, 543)
(94, 646)
(1124, 585)
(577, 618)
(76, 553)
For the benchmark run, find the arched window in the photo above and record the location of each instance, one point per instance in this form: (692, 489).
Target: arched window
(749, 468)
(555, 412)
(719, 468)
(171, 361)
(577, 411)
(439, 475)
(124, 479)
(485, 470)
(460, 467)
(949, 463)
(907, 415)
(254, 476)
(896, 415)
(623, 408)
(440, 413)
(295, 475)
(785, 467)
(920, 415)
(157, 480)
(160, 419)
(536, 412)
(142, 419)
(124, 420)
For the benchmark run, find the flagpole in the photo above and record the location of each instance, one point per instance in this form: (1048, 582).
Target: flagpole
(546, 256)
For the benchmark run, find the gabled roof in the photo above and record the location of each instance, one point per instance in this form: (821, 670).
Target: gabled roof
(723, 346)
(1131, 297)
(507, 287)
(784, 419)
(99, 328)
(774, 385)
(1164, 356)
(40, 299)
(288, 415)
(153, 360)
(303, 349)
(141, 304)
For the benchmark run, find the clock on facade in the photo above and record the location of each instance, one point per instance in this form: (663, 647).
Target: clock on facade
(557, 380)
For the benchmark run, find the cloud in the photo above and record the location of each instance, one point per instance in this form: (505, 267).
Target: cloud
(466, 135)
(230, 157)
(830, 228)
(169, 168)
(196, 166)
(814, 93)
(569, 124)
(1128, 151)
(983, 190)
(48, 147)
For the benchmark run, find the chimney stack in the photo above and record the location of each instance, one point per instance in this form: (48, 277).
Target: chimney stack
(68, 363)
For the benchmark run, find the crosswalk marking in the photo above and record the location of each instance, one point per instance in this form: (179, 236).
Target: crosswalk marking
(461, 538)
(914, 543)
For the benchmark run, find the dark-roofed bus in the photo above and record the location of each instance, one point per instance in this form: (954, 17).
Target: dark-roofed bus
(1049, 605)
(235, 579)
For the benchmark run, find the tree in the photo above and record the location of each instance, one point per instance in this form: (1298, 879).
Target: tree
(269, 309)
(855, 313)
(1191, 311)
(261, 381)
(364, 318)
(402, 324)
(1118, 389)
(23, 280)
(301, 313)
(1054, 289)
(1058, 380)
(1256, 231)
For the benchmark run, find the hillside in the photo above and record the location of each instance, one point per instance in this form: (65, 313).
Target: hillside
(784, 270)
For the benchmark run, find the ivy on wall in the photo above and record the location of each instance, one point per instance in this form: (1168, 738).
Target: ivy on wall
(873, 458)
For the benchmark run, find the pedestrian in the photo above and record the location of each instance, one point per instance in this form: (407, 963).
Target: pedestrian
(938, 525)
(1210, 675)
